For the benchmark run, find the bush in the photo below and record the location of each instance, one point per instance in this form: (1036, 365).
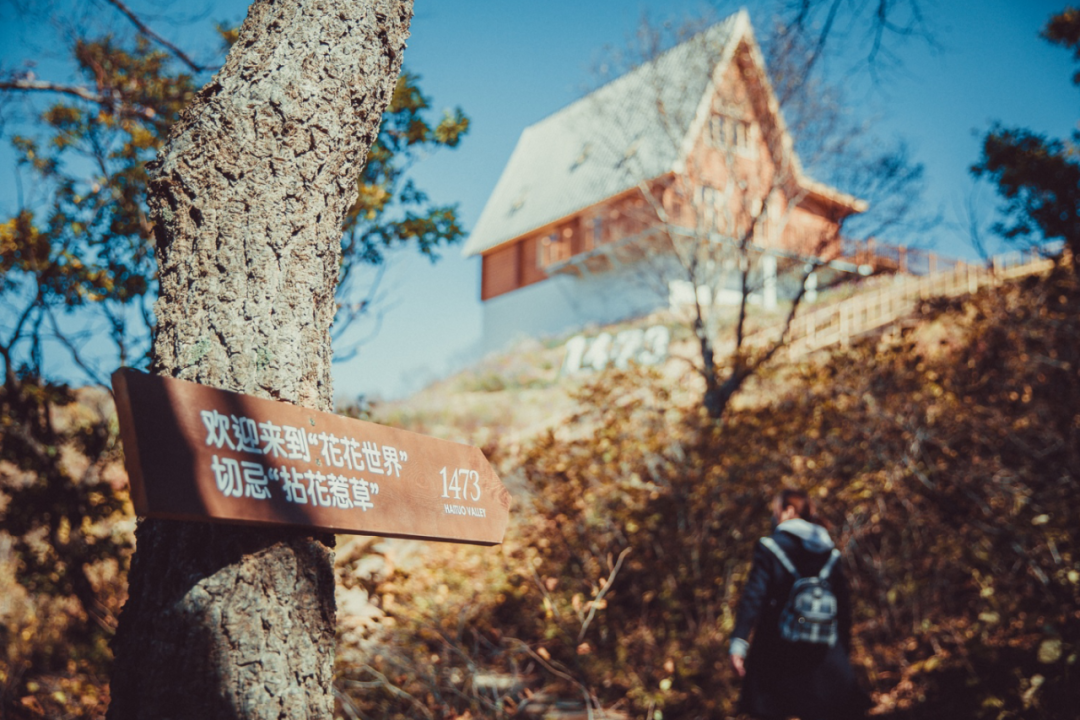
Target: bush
(946, 460)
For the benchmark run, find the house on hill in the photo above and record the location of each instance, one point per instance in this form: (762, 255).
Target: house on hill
(675, 182)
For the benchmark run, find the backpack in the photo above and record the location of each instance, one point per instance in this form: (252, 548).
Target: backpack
(810, 613)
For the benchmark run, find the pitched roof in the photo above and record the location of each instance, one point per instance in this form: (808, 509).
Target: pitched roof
(638, 127)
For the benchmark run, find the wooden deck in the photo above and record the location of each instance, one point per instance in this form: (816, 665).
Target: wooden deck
(885, 303)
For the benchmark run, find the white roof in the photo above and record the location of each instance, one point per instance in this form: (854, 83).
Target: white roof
(635, 128)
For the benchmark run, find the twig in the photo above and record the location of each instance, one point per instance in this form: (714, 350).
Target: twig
(155, 37)
(76, 356)
(590, 699)
(348, 705)
(602, 593)
(385, 681)
(107, 101)
(540, 584)
(922, 477)
(45, 86)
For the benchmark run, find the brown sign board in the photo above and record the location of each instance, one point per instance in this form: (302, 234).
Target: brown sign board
(197, 453)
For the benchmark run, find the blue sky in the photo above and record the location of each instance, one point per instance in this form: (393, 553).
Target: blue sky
(509, 64)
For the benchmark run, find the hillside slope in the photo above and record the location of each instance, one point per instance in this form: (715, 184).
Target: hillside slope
(946, 456)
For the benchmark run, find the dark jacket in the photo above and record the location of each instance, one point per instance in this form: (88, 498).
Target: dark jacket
(783, 679)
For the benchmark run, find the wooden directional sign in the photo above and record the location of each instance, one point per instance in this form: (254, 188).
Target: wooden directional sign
(196, 453)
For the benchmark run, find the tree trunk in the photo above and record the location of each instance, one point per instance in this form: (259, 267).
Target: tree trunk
(248, 199)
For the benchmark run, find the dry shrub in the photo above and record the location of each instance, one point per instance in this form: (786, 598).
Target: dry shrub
(946, 460)
(66, 530)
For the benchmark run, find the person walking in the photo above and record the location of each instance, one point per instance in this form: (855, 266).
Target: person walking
(796, 602)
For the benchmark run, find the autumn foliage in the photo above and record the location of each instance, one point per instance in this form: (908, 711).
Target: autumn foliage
(78, 279)
(944, 454)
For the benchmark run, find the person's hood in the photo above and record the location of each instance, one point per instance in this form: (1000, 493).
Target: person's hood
(814, 537)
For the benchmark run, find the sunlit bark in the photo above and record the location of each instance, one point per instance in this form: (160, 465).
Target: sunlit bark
(248, 199)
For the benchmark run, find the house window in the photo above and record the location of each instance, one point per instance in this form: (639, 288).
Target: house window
(597, 230)
(553, 249)
(717, 128)
(742, 134)
(709, 201)
(726, 132)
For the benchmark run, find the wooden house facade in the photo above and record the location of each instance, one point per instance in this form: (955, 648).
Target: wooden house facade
(691, 144)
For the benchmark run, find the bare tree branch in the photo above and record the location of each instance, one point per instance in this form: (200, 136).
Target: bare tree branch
(108, 101)
(394, 689)
(602, 593)
(45, 86)
(145, 30)
(76, 356)
(866, 25)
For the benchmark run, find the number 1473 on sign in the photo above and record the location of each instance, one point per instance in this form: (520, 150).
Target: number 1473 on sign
(464, 484)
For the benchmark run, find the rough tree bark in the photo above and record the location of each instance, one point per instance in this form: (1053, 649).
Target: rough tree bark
(248, 199)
